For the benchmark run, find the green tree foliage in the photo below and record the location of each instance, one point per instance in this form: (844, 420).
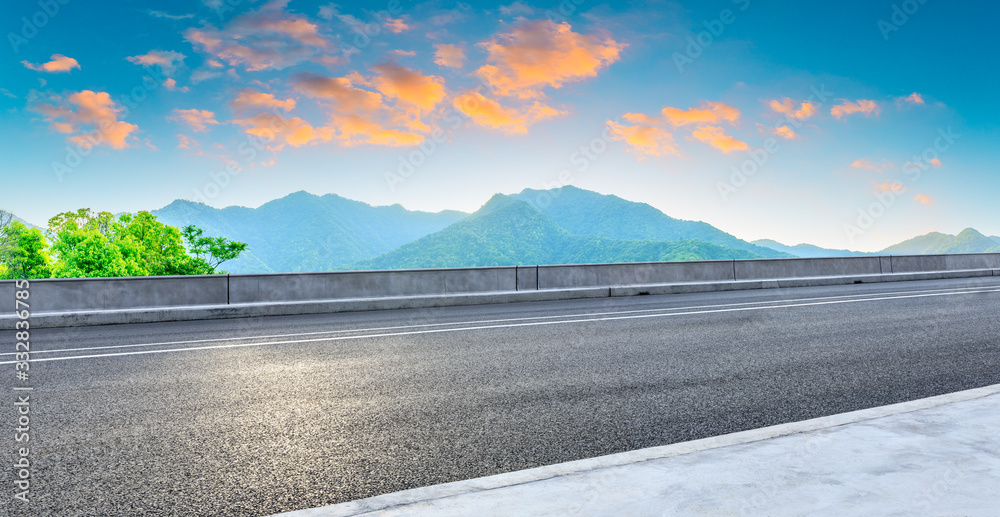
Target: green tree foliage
(212, 251)
(23, 252)
(98, 244)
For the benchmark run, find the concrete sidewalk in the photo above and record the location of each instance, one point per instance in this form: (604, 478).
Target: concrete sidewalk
(934, 456)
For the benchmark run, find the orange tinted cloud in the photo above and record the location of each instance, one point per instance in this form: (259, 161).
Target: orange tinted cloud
(490, 113)
(717, 138)
(197, 119)
(57, 63)
(396, 25)
(845, 108)
(889, 187)
(542, 53)
(643, 140)
(249, 99)
(935, 162)
(185, 142)
(358, 116)
(787, 107)
(914, 98)
(339, 90)
(264, 39)
(452, 56)
(91, 114)
(709, 112)
(923, 199)
(408, 85)
(168, 61)
(279, 130)
(865, 163)
(785, 132)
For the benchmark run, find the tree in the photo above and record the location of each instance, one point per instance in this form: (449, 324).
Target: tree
(88, 244)
(24, 252)
(213, 251)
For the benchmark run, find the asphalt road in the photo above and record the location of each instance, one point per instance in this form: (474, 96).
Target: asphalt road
(259, 416)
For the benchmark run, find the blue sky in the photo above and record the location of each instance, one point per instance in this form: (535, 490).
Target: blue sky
(850, 125)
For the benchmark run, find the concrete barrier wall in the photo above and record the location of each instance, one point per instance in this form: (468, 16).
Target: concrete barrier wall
(806, 267)
(368, 284)
(87, 294)
(641, 273)
(96, 294)
(956, 262)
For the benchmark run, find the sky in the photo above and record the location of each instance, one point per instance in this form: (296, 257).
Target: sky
(855, 124)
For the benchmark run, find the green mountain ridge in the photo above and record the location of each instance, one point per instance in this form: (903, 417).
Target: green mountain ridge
(508, 231)
(967, 241)
(583, 212)
(809, 250)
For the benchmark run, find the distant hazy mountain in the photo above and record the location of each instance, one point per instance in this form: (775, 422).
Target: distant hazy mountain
(582, 212)
(996, 238)
(305, 232)
(508, 231)
(22, 221)
(809, 250)
(968, 241)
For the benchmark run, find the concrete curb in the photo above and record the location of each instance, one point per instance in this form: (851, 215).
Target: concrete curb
(207, 312)
(425, 494)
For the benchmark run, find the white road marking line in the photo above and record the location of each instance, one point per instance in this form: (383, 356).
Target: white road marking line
(477, 322)
(509, 325)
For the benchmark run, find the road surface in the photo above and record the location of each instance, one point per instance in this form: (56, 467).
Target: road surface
(259, 416)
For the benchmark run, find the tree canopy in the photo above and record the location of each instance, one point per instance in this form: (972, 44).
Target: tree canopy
(98, 244)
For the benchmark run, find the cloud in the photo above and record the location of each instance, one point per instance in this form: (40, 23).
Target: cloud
(57, 63)
(716, 137)
(935, 162)
(452, 56)
(867, 107)
(171, 84)
(91, 118)
(539, 54)
(643, 140)
(197, 119)
(406, 53)
(786, 106)
(249, 99)
(490, 113)
(517, 8)
(161, 14)
(889, 187)
(709, 112)
(914, 98)
(264, 39)
(408, 85)
(785, 132)
(293, 131)
(186, 142)
(866, 164)
(358, 116)
(396, 25)
(923, 199)
(168, 61)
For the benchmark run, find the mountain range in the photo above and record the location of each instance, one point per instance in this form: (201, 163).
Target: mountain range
(306, 232)
(967, 241)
